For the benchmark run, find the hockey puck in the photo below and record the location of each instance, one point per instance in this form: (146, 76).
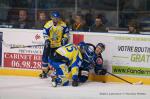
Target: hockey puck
(103, 81)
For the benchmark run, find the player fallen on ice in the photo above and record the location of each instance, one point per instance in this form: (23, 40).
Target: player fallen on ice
(77, 60)
(68, 60)
(93, 61)
(66, 57)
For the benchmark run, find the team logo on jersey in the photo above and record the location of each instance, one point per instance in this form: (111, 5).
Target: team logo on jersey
(55, 37)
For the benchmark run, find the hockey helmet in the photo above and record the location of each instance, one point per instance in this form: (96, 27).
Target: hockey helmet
(55, 14)
(101, 45)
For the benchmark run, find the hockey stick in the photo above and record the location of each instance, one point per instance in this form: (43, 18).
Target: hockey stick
(5, 44)
(11, 46)
(137, 83)
(24, 46)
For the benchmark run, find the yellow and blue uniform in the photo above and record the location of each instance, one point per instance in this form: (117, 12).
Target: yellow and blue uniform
(55, 34)
(67, 56)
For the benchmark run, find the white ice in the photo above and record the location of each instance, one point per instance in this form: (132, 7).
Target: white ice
(12, 87)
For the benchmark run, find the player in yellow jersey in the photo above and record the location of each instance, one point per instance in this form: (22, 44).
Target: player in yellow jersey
(56, 34)
(67, 56)
(70, 56)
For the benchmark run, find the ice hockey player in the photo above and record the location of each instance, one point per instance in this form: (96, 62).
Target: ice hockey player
(94, 61)
(56, 34)
(66, 57)
(67, 60)
(99, 68)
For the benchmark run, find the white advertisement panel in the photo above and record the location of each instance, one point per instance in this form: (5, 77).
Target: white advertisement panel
(27, 58)
(125, 54)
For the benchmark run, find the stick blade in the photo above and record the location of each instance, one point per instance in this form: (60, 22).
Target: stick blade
(138, 83)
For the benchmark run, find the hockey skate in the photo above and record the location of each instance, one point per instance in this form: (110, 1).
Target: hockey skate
(75, 83)
(59, 81)
(56, 81)
(43, 75)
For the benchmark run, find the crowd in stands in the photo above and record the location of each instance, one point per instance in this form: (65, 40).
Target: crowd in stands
(78, 22)
(85, 22)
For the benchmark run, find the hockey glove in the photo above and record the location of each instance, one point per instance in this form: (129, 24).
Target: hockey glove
(75, 83)
(101, 72)
(64, 41)
(47, 43)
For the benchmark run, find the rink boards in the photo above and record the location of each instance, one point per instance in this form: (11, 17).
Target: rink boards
(127, 56)
(107, 78)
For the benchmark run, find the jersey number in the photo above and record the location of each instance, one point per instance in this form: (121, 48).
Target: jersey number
(70, 47)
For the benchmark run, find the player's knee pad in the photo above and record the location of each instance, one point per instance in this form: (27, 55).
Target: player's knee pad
(63, 70)
(83, 76)
(74, 72)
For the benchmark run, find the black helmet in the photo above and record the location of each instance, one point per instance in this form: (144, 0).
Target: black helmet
(101, 45)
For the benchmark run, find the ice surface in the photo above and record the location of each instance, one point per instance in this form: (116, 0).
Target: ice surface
(12, 87)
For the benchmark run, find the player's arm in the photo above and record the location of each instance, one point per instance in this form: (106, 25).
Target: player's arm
(65, 37)
(46, 35)
(46, 30)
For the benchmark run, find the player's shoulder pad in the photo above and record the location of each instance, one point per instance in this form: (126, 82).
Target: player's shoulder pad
(48, 24)
(63, 24)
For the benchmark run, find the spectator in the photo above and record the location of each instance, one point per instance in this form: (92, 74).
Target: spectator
(133, 28)
(89, 19)
(41, 20)
(98, 25)
(68, 20)
(79, 24)
(144, 21)
(23, 21)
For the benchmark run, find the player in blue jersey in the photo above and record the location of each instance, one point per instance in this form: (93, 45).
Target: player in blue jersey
(93, 61)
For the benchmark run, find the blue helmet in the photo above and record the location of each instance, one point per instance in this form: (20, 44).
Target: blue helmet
(55, 14)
